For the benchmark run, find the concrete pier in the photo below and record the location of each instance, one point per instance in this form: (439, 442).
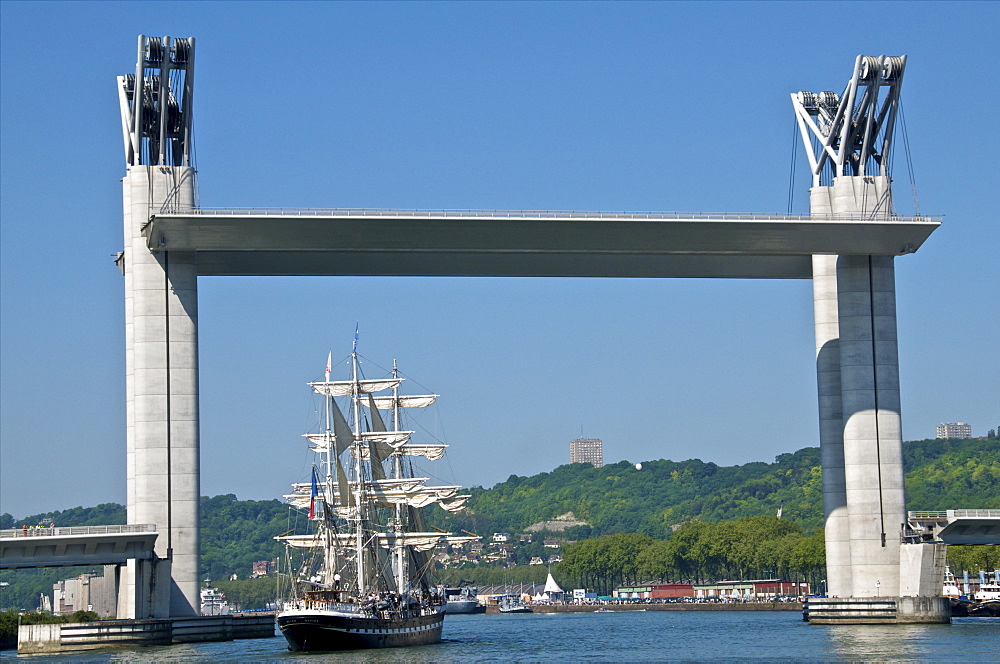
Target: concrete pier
(161, 348)
(857, 364)
(876, 610)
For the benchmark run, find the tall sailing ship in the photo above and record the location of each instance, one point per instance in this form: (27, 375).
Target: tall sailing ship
(366, 577)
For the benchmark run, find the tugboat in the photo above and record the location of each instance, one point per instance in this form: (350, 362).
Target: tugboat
(986, 600)
(365, 581)
(984, 603)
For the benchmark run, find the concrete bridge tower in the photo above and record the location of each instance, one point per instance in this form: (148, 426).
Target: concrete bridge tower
(848, 140)
(161, 340)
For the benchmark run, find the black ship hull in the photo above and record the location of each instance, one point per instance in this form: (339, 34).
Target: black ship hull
(316, 631)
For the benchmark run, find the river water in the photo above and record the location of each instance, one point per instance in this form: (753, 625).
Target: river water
(626, 636)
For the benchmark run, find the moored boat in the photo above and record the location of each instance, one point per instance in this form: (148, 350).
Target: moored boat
(513, 604)
(462, 600)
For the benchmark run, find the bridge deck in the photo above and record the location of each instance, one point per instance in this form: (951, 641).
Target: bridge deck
(959, 527)
(520, 243)
(86, 545)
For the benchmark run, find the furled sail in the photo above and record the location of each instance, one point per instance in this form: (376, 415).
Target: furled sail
(405, 401)
(387, 437)
(433, 452)
(385, 484)
(392, 492)
(343, 388)
(418, 498)
(454, 504)
(418, 540)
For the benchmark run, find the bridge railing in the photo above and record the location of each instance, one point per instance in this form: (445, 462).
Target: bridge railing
(928, 514)
(974, 514)
(78, 530)
(534, 214)
(954, 514)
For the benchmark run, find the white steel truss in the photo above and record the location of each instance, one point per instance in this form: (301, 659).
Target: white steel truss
(851, 134)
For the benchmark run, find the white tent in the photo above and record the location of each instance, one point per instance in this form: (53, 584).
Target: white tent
(550, 592)
(551, 586)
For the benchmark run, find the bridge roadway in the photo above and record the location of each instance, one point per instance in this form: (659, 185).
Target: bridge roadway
(499, 243)
(83, 545)
(957, 527)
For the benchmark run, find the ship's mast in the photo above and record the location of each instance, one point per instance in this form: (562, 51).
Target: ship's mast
(330, 454)
(358, 477)
(397, 468)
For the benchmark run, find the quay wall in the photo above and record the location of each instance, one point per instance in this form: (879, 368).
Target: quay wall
(680, 606)
(64, 637)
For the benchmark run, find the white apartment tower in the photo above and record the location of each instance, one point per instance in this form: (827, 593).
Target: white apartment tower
(954, 430)
(587, 450)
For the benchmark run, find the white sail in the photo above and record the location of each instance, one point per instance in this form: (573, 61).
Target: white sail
(406, 401)
(432, 452)
(385, 484)
(454, 504)
(388, 437)
(421, 497)
(390, 492)
(419, 541)
(343, 388)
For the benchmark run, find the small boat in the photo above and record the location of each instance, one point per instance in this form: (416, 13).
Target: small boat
(365, 577)
(513, 604)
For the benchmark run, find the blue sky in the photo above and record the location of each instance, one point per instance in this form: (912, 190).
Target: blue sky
(542, 106)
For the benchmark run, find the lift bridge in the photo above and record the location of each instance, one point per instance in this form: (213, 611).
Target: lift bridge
(847, 245)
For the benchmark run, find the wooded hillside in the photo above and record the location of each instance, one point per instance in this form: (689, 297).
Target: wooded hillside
(618, 498)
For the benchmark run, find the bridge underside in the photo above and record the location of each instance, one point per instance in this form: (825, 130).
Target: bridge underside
(522, 244)
(970, 527)
(971, 532)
